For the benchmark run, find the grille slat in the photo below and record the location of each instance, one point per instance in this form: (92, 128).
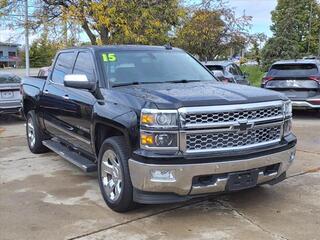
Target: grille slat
(232, 116)
(219, 141)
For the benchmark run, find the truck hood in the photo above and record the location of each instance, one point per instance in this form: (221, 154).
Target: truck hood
(176, 95)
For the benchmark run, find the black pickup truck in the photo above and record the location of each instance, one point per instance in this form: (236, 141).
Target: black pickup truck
(156, 124)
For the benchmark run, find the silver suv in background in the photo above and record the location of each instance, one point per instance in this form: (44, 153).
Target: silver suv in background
(298, 79)
(227, 71)
(10, 97)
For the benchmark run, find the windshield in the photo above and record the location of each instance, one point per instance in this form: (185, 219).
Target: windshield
(293, 70)
(135, 67)
(9, 78)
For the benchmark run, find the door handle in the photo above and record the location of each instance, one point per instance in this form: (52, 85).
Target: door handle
(66, 97)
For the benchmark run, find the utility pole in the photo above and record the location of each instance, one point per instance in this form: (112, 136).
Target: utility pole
(26, 32)
(310, 28)
(319, 45)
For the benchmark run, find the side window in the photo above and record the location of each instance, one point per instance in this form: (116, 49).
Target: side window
(84, 65)
(232, 70)
(62, 66)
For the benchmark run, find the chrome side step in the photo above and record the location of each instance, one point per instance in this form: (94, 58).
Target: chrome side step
(83, 163)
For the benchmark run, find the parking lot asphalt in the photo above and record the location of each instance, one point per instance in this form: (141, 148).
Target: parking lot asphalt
(45, 197)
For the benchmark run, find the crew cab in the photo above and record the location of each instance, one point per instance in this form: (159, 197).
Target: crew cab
(156, 124)
(298, 79)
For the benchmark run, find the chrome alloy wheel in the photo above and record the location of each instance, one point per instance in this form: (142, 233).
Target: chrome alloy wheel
(111, 175)
(30, 132)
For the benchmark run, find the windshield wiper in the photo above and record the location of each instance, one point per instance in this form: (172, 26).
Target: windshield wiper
(182, 81)
(134, 83)
(126, 84)
(138, 83)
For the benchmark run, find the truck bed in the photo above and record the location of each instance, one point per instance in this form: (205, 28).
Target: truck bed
(34, 81)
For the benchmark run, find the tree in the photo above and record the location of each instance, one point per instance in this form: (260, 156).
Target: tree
(42, 51)
(296, 26)
(256, 40)
(211, 32)
(119, 21)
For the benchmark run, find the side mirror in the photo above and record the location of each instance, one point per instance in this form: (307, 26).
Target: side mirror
(79, 81)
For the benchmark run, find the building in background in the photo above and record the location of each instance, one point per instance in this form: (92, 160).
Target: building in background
(9, 54)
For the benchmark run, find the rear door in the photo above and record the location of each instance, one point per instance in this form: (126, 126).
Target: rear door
(298, 80)
(54, 102)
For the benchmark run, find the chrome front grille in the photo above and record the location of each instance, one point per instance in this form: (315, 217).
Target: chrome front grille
(230, 127)
(218, 117)
(232, 140)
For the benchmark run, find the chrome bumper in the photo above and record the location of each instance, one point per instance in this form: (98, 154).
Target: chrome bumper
(184, 173)
(304, 105)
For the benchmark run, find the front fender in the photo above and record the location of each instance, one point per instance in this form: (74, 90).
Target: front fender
(118, 117)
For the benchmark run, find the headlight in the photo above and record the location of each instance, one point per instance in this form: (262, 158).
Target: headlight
(287, 127)
(287, 108)
(154, 118)
(159, 140)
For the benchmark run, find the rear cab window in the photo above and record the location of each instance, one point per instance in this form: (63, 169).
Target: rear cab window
(215, 68)
(293, 70)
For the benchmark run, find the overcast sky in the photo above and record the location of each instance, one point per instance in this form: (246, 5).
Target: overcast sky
(260, 10)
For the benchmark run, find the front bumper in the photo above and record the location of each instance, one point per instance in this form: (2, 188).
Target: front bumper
(304, 105)
(184, 174)
(10, 107)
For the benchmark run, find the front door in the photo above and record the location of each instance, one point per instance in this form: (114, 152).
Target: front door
(81, 120)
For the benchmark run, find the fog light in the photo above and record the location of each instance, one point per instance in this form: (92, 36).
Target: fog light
(162, 175)
(147, 139)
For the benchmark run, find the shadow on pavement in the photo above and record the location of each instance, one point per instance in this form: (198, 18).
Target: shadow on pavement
(10, 119)
(306, 114)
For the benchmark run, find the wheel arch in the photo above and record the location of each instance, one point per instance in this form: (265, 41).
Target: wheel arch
(124, 125)
(27, 105)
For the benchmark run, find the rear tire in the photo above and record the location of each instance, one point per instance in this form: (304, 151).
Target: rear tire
(35, 136)
(113, 174)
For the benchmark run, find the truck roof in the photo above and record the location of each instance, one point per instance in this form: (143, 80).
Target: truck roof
(298, 61)
(125, 48)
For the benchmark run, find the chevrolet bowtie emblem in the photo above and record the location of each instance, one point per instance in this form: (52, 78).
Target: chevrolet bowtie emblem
(243, 126)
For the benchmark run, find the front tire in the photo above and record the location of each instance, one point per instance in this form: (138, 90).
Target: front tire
(113, 174)
(35, 135)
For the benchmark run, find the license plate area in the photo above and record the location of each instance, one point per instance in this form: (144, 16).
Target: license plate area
(242, 180)
(7, 94)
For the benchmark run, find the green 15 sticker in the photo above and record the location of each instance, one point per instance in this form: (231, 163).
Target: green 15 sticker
(109, 57)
